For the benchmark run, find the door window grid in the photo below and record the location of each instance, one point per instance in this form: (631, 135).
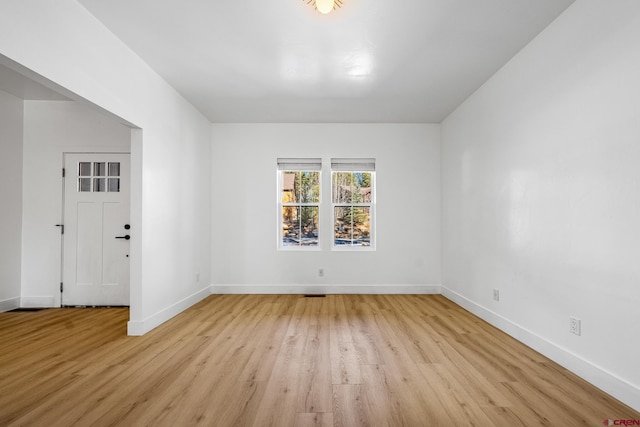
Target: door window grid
(99, 177)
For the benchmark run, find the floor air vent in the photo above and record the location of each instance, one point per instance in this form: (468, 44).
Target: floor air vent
(314, 295)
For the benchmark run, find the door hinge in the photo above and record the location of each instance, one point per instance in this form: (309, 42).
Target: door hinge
(63, 172)
(61, 228)
(61, 287)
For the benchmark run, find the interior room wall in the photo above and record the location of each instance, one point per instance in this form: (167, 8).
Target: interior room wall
(52, 128)
(11, 118)
(244, 254)
(62, 43)
(540, 195)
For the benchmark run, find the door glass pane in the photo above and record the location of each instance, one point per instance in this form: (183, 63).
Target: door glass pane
(99, 169)
(114, 185)
(99, 185)
(84, 169)
(84, 185)
(114, 169)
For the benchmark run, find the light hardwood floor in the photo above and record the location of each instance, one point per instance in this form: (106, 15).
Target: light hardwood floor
(286, 360)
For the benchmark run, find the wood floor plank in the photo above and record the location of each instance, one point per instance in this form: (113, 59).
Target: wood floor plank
(363, 330)
(286, 360)
(404, 377)
(314, 391)
(459, 405)
(321, 419)
(345, 365)
(350, 406)
(378, 389)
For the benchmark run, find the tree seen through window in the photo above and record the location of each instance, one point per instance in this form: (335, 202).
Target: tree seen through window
(300, 208)
(352, 199)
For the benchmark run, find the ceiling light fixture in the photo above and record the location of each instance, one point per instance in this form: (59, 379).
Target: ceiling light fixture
(325, 6)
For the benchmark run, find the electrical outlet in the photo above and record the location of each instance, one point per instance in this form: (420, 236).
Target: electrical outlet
(321, 272)
(574, 326)
(496, 295)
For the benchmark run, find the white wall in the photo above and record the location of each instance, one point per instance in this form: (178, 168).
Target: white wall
(50, 129)
(65, 44)
(244, 235)
(11, 117)
(541, 187)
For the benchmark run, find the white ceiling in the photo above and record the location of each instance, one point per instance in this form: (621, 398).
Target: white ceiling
(369, 61)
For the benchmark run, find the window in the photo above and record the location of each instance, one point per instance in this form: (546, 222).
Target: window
(353, 202)
(99, 177)
(299, 202)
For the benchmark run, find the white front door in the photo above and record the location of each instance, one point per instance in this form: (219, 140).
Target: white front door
(96, 234)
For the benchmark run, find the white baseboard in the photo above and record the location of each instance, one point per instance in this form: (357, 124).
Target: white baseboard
(606, 381)
(325, 289)
(38, 302)
(9, 304)
(141, 327)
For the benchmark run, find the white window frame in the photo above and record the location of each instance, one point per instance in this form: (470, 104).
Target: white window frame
(298, 165)
(355, 165)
